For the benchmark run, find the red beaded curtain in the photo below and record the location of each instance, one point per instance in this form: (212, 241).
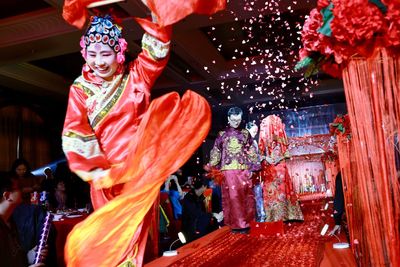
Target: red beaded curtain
(372, 94)
(331, 170)
(354, 209)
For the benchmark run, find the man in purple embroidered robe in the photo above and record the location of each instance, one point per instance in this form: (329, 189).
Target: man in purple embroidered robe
(235, 155)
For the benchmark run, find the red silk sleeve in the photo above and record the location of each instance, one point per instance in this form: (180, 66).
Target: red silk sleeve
(149, 64)
(79, 141)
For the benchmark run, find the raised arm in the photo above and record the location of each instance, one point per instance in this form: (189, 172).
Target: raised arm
(154, 56)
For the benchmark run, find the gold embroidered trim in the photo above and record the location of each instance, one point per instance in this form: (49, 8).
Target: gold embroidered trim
(100, 116)
(84, 138)
(86, 146)
(85, 89)
(127, 263)
(235, 165)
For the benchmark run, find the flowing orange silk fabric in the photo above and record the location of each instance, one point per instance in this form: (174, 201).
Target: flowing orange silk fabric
(167, 12)
(171, 11)
(372, 88)
(169, 133)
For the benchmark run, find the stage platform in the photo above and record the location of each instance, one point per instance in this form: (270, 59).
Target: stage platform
(300, 245)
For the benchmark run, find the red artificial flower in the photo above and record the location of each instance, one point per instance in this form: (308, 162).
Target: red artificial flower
(333, 69)
(303, 53)
(358, 27)
(322, 4)
(309, 35)
(355, 24)
(392, 36)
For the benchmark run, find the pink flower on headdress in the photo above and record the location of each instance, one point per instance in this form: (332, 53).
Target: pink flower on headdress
(83, 46)
(121, 54)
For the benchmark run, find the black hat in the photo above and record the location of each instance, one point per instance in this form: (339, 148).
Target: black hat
(199, 182)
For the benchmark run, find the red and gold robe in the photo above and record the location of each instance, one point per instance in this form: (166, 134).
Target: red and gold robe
(125, 149)
(280, 200)
(235, 155)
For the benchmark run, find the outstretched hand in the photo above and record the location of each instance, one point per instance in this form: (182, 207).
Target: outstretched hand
(31, 255)
(219, 216)
(335, 229)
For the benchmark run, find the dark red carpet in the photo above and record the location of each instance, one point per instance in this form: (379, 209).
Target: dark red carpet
(300, 245)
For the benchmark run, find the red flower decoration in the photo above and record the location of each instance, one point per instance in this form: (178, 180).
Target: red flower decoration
(350, 27)
(333, 69)
(329, 156)
(311, 38)
(355, 25)
(215, 174)
(392, 36)
(340, 126)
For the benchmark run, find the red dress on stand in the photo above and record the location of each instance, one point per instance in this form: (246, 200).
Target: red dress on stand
(280, 201)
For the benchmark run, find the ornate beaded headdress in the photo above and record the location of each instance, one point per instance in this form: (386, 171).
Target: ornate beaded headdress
(103, 30)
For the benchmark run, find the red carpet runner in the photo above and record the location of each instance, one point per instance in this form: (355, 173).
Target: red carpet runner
(301, 245)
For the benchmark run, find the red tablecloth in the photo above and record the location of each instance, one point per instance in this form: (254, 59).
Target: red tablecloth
(63, 228)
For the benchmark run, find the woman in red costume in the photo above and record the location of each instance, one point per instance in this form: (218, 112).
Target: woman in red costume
(280, 201)
(121, 145)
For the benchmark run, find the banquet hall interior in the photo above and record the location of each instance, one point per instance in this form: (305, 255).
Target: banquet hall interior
(244, 56)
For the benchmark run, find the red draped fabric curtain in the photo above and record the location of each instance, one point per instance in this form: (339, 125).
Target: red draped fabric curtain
(307, 174)
(23, 133)
(9, 133)
(372, 88)
(306, 168)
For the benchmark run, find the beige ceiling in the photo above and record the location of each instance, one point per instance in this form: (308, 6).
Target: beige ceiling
(42, 36)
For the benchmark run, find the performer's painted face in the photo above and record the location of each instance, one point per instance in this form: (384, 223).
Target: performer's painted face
(235, 120)
(102, 59)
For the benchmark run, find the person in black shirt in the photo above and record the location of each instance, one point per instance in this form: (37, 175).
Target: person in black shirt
(196, 222)
(338, 204)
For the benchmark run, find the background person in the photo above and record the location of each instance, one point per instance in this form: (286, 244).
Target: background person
(12, 253)
(235, 156)
(196, 222)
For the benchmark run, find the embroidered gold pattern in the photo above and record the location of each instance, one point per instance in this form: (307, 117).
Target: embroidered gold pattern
(111, 103)
(234, 146)
(85, 145)
(157, 49)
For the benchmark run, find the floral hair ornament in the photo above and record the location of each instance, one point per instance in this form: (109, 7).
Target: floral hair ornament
(104, 30)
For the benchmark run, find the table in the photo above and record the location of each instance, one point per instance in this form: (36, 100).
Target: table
(63, 228)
